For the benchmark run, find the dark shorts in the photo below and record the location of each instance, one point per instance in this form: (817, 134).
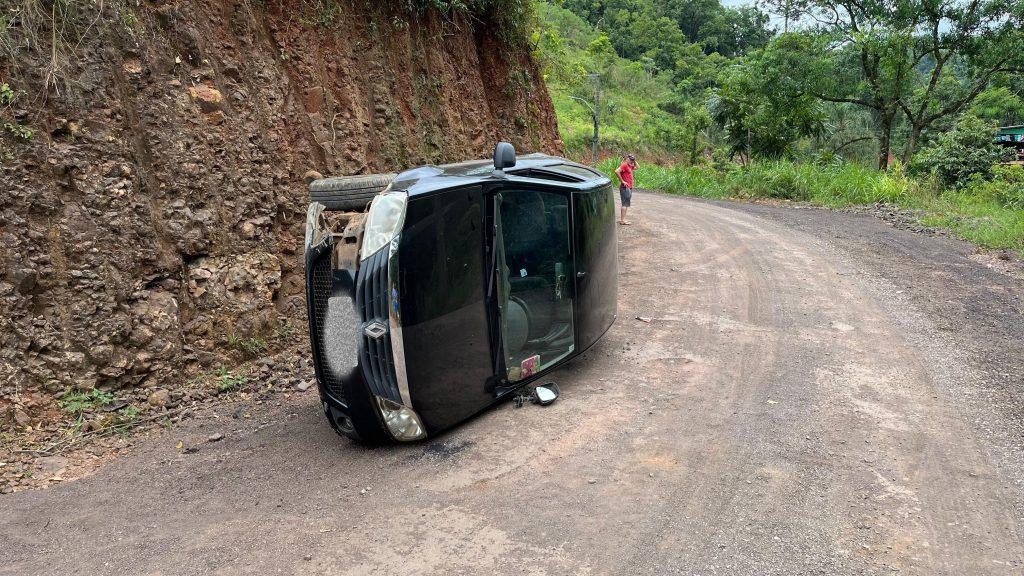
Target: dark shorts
(626, 194)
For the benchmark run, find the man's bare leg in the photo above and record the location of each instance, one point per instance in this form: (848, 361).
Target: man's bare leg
(622, 215)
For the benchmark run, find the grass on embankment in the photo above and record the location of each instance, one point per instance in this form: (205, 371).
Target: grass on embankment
(980, 212)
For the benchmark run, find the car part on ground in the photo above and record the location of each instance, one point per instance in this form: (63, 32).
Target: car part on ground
(348, 192)
(545, 394)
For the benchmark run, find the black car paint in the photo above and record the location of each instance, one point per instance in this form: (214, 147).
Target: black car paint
(448, 313)
(444, 307)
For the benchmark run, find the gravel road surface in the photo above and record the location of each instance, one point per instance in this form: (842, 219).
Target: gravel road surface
(816, 393)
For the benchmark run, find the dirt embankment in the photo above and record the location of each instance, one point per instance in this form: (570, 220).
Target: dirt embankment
(152, 223)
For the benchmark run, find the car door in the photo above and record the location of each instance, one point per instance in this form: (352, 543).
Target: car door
(534, 273)
(596, 263)
(444, 312)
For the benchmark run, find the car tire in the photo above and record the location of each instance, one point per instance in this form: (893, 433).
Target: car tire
(348, 193)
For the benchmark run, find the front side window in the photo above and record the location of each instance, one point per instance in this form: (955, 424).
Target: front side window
(534, 267)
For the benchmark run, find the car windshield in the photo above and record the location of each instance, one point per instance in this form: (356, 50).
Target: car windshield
(535, 271)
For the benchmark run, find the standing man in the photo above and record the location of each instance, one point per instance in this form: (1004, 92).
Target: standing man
(625, 174)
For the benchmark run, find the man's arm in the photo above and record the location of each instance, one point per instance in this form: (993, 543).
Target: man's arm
(618, 173)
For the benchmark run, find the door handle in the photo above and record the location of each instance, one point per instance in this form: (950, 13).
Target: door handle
(581, 274)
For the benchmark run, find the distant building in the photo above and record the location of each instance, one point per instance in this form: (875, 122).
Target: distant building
(1013, 137)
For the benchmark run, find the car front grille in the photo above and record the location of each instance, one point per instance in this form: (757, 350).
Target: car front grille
(372, 300)
(320, 283)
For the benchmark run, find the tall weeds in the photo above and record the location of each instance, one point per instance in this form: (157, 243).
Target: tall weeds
(52, 32)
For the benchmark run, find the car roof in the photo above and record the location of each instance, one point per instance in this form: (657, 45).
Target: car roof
(530, 167)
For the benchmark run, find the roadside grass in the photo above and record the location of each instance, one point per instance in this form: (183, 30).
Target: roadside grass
(251, 346)
(83, 405)
(986, 213)
(226, 380)
(984, 222)
(78, 402)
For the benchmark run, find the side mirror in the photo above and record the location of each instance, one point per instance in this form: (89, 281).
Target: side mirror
(504, 156)
(545, 394)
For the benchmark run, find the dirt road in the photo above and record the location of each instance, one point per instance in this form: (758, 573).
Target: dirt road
(817, 393)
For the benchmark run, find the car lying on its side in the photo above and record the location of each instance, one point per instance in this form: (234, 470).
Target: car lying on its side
(460, 284)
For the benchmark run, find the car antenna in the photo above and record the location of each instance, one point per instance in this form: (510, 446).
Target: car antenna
(504, 157)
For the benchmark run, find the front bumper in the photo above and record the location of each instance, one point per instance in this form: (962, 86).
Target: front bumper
(351, 327)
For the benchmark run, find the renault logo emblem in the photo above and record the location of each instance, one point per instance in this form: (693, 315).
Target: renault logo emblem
(375, 330)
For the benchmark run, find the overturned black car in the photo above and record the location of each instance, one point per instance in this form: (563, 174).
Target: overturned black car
(459, 285)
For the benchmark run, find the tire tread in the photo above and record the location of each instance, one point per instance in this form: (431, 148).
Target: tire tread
(348, 192)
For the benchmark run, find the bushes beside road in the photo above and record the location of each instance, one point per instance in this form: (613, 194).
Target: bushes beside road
(987, 212)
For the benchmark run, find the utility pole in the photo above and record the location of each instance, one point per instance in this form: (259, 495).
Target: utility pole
(595, 112)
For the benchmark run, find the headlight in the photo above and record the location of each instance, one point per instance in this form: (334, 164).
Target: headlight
(314, 230)
(387, 213)
(402, 422)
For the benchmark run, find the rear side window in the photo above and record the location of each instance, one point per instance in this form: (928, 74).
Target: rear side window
(585, 173)
(542, 174)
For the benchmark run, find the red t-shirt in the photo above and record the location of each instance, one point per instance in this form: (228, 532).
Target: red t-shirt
(626, 174)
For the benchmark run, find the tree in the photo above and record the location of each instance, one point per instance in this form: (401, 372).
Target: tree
(695, 72)
(589, 11)
(696, 120)
(866, 69)
(637, 35)
(600, 13)
(692, 16)
(999, 105)
(737, 31)
(575, 30)
(602, 52)
(966, 152)
(761, 116)
(983, 37)
(925, 59)
(665, 40)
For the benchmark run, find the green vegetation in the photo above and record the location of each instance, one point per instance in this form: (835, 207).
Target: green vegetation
(11, 127)
(129, 413)
(988, 212)
(286, 330)
(323, 13)
(657, 64)
(827, 87)
(226, 380)
(510, 17)
(892, 101)
(639, 106)
(837, 185)
(251, 347)
(964, 155)
(78, 402)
